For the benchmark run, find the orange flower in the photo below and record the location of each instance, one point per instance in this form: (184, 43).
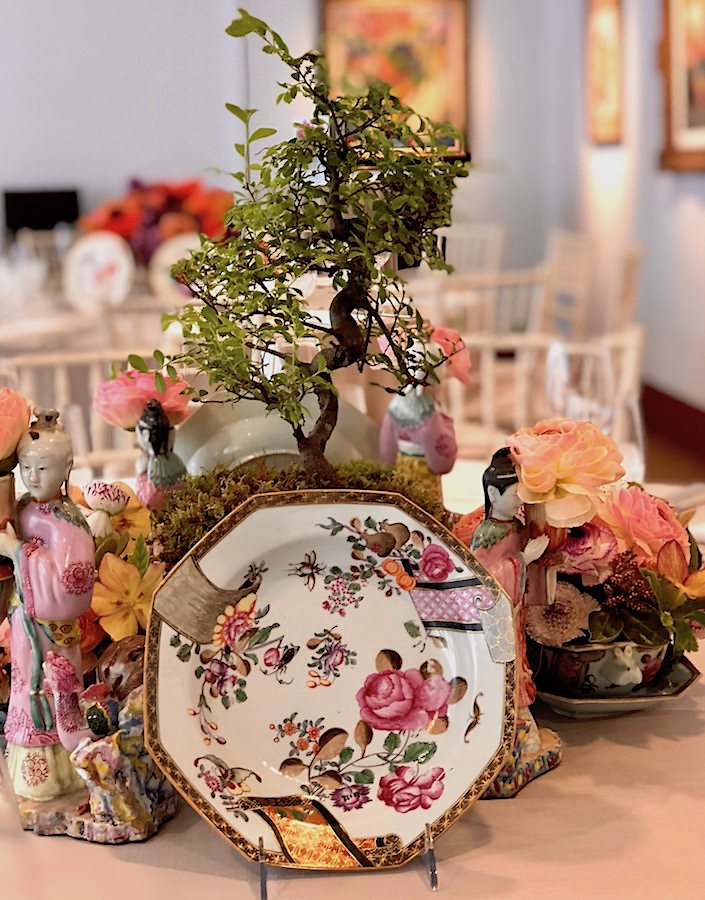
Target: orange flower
(563, 463)
(14, 418)
(465, 527)
(392, 567)
(406, 582)
(672, 563)
(91, 631)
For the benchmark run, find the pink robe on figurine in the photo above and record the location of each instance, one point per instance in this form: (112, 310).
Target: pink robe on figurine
(56, 574)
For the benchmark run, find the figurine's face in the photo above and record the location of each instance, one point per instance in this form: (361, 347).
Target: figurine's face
(505, 505)
(43, 470)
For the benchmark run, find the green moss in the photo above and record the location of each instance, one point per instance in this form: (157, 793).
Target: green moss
(202, 501)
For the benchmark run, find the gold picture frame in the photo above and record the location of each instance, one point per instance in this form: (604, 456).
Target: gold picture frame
(603, 53)
(683, 70)
(420, 49)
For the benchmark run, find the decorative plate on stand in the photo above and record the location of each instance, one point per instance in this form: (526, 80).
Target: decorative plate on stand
(330, 672)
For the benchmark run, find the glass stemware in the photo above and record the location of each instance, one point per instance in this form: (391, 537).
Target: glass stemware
(581, 383)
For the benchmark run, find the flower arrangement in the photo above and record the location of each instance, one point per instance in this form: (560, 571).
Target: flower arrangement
(624, 568)
(631, 573)
(150, 213)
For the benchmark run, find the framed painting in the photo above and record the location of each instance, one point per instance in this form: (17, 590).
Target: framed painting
(420, 49)
(604, 71)
(683, 68)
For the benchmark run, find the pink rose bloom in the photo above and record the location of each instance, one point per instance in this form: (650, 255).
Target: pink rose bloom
(405, 792)
(435, 563)
(121, 401)
(641, 522)
(458, 364)
(589, 550)
(402, 701)
(563, 463)
(14, 419)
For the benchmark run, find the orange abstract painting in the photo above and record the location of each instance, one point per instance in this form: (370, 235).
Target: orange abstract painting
(419, 49)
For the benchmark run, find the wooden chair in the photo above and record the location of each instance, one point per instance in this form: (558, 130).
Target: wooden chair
(472, 247)
(569, 266)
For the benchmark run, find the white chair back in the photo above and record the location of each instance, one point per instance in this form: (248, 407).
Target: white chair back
(472, 247)
(569, 264)
(67, 382)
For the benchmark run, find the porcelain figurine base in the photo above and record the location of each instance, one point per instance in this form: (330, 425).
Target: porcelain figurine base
(69, 815)
(521, 768)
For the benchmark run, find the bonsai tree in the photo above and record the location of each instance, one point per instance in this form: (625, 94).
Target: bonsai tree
(364, 177)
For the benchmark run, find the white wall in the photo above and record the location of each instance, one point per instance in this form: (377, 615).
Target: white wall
(93, 93)
(627, 199)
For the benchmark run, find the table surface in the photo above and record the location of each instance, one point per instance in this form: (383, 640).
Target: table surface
(623, 815)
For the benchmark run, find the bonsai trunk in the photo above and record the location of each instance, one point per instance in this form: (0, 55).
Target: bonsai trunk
(348, 346)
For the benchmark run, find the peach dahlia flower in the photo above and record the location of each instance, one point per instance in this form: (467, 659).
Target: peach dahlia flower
(563, 463)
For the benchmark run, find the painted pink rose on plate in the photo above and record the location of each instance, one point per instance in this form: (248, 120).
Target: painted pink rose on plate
(406, 791)
(435, 563)
(402, 701)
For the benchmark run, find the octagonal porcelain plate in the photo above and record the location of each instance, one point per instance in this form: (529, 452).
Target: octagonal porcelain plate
(329, 672)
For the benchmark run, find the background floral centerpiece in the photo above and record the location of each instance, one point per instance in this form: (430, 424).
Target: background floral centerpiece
(150, 213)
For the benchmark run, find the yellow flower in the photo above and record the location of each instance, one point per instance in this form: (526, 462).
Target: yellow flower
(121, 597)
(134, 519)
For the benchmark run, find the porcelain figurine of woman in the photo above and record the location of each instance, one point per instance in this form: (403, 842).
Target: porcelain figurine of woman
(500, 544)
(53, 555)
(159, 469)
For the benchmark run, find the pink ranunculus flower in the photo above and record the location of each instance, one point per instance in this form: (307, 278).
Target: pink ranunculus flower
(641, 522)
(402, 701)
(458, 364)
(563, 463)
(589, 550)
(14, 419)
(121, 401)
(435, 563)
(404, 791)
